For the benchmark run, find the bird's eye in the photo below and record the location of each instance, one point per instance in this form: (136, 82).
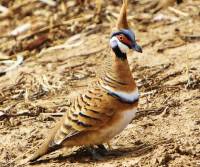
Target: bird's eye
(124, 39)
(121, 38)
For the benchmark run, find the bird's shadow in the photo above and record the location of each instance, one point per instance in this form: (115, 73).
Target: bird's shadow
(83, 156)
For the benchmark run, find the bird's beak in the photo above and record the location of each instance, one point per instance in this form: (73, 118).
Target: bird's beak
(137, 48)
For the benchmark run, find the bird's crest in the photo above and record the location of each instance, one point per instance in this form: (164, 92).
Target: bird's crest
(122, 22)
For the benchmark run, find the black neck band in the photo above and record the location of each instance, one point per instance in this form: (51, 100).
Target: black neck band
(118, 53)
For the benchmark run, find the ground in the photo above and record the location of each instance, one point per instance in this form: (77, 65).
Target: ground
(64, 46)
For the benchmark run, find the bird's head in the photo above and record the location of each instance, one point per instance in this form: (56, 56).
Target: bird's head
(123, 37)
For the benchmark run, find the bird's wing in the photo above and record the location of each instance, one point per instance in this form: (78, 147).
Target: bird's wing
(89, 111)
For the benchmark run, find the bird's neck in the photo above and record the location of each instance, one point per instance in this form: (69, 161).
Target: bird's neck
(119, 53)
(117, 71)
(120, 66)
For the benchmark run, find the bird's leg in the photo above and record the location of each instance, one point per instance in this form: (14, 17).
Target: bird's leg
(102, 149)
(109, 145)
(108, 152)
(94, 153)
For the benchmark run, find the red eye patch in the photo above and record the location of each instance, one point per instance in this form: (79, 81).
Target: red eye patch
(124, 39)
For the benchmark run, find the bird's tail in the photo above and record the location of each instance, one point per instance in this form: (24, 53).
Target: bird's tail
(46, 147)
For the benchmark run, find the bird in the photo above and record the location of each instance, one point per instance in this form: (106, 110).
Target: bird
(104, 109)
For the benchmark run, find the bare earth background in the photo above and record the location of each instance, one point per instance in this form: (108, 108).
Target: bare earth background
(49, 51)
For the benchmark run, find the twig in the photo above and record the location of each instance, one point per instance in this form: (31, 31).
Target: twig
(164, 45)
(49, 2)
(145, 112)
(63, 46)
(151, 42)
(6, 115)
(190, 37)
(168, 98)
(148, 93)
(162, 17)
(178, 12)
(53, 114)
(163, 4)
(47, 28)
(20, 29)
(18, 62)
(165, 112)
(164, 67)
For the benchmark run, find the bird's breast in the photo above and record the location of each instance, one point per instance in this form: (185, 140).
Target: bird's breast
(119, 122)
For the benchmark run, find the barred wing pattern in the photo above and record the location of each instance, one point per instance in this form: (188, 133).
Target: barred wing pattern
(88, 111)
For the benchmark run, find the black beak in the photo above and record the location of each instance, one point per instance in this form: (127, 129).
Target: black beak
(137, 48)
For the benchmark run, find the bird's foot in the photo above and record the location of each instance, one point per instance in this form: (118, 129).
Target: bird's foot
(103, 151)
(95, 154)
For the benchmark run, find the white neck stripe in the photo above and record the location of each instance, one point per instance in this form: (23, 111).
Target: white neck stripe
(124, 96)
